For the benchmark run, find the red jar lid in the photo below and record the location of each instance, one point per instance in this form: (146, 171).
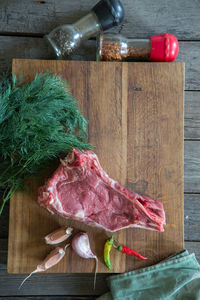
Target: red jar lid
(164, 47)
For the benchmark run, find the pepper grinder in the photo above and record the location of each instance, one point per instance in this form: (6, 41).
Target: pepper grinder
(66, 38)
(116, 47)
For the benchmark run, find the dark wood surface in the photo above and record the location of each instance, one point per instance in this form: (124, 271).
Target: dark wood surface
(138, 137)
(22, 26)
(142, 19)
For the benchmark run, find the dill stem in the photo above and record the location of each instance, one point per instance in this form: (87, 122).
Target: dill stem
(2, 205)
(10, 193)
(19, 171)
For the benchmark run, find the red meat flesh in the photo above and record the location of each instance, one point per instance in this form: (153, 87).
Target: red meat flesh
(81, 190)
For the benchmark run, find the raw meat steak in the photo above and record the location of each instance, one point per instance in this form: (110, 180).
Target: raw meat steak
(81, 190)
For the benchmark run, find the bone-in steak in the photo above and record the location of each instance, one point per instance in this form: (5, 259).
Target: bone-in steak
(81, 190)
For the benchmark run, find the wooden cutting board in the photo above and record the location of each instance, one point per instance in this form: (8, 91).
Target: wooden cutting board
(135, 113)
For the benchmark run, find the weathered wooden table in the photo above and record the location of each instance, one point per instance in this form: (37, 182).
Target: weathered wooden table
(23, 24)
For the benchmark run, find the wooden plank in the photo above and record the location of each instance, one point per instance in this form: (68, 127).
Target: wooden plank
(192, 61)
(192, 217)
(4, 221)
(3, 254)
(155, 132)
(192, 164)
(51, 284)
(106, 110)
(49, 298)
(36, 48)
(193, 247)
(54, 284)
(192, 116)
(179, 17)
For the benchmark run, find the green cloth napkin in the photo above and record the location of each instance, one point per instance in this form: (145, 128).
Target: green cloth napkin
(177, 277)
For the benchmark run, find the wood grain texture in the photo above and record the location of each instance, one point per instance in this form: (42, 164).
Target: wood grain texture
(192, 116)
(142, 19)
(192, 217)
(154, 148)
(189, 53)
(53, 284)
(146, 155)
(191, 168)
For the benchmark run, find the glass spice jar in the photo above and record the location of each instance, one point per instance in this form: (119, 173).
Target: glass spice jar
(66, 38)
(116, 47)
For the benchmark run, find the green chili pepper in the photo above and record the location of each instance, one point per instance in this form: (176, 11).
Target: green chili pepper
(107, 249)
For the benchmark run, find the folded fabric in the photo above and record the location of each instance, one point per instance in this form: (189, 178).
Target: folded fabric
(177, 277)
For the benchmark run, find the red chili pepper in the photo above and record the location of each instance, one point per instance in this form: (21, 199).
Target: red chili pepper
(129, 251)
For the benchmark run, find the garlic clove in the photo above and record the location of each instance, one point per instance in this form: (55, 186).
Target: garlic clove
(81, 245)
(51, 260)
(58, 236)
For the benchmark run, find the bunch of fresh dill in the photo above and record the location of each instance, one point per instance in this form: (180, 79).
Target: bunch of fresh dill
(38, 121)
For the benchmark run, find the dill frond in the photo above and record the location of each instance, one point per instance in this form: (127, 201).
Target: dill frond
(38, 121)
